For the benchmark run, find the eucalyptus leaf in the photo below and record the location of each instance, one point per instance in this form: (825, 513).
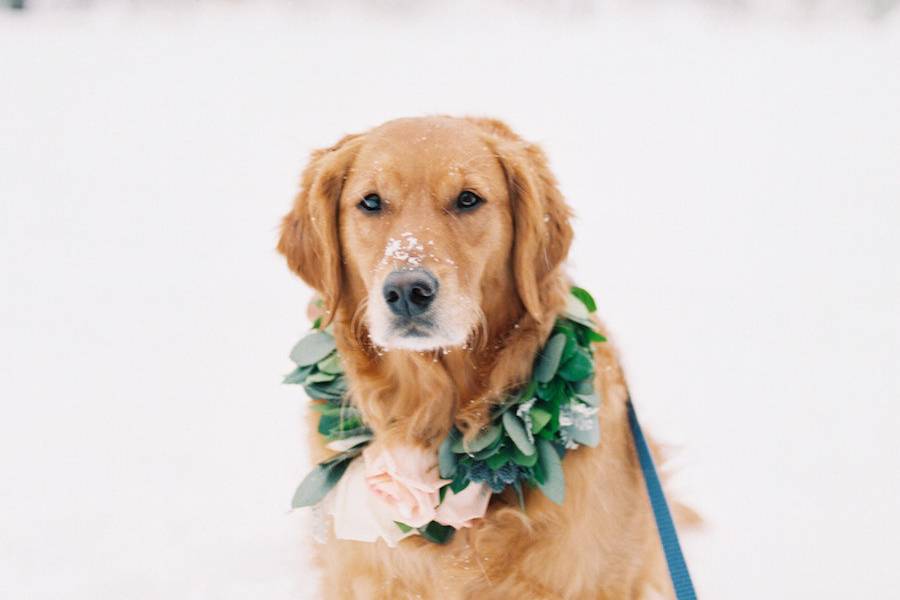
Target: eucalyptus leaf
(570, 348)
(331, 364)
(319, 378)
(591, 399)
(548, 358)
(553, 486)
(327, 423)
(321, 392)
(516, 430)
(489, 451)
(519, 494)
(446, 457)
(583, 387)
(318, 483)
(588, 437)
(499, 459)
(461, 480)
(481, 441)
(524, 460)
(298, 375)
(578, 367)
(312, 348)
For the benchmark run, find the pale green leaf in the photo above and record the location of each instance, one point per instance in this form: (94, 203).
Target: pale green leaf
(446, 457)
(548, 358)
(312, 348)
(318, 483)
(331, 364)
(554, 486)
(481, 441)
(319, 378)
(516, 430)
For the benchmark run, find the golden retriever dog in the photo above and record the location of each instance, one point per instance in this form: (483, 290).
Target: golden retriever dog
(462, 219)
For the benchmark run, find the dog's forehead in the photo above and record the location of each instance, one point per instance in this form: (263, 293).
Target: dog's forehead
(433, 145)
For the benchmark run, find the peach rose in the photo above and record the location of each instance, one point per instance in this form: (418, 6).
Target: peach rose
(406, 479)
(463, 509)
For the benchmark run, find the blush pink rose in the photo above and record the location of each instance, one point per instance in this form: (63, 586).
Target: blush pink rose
(465, 508)
(405, 479)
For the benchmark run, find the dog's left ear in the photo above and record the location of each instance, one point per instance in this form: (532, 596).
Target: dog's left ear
(309, 233)
(540, 214)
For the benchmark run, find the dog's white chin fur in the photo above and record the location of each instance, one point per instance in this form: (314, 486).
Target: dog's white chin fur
(418, 343)
(447, 332)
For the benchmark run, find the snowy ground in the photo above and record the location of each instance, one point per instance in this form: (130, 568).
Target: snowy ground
(735, 176)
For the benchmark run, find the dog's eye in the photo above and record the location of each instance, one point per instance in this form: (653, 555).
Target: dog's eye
(371, 203)
(468, 200)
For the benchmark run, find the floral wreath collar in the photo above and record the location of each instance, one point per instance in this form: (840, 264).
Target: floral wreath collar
(373, 493)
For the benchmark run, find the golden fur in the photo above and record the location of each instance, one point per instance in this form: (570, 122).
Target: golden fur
(602, 542)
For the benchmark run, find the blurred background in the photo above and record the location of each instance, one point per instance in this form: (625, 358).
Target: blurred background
(733, 166)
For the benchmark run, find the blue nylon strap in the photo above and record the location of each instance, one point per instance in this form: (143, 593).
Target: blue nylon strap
(678, 571)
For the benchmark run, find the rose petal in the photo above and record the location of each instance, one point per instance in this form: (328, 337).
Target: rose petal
(462, 509)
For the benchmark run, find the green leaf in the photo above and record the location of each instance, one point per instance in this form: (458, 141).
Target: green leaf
(577, 312)
(437, 533)
(481, 441)
(319, 482)
(583, 387)
(499, 459)
(595, 337)
(403, 527)
(591, 399)
(446, 457)
(517, 485)
(328, 422)
(319, 378)
(578, 367)
(516, 430)
(571, 347)
(548, 358)
(317, 323)
(489, 451)
(539, 418)
(336, 386)
(331, 364)
(312, 348)
(298, 375)
(524, 460)
(461, 481)
(553, 485)
(585, 297)
(588, 437)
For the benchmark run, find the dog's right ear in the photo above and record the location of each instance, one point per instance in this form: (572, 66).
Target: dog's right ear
(309, 233)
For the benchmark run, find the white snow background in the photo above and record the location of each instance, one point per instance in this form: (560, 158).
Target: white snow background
(735, 177)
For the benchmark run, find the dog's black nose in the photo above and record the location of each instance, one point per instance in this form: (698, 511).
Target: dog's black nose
(409, 293)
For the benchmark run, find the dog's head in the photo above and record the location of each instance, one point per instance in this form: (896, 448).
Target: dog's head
(422, 229)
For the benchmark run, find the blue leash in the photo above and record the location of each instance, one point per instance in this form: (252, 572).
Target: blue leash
(678, 571)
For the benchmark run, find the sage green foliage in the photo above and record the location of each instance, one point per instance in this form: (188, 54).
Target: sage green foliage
(322, 478)
(531, 444)
(521, 444)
